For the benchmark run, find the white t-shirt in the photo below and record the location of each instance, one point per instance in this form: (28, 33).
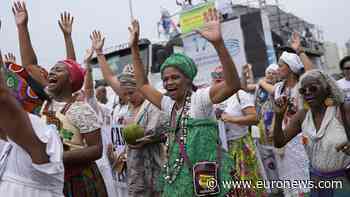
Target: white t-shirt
(345, 86)
(293, 164)
(201, 105)
(26, 179)
(103, 116)
(234, 108)
(111, 134)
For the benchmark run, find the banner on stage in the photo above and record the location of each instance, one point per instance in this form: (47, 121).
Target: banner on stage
(205, 56)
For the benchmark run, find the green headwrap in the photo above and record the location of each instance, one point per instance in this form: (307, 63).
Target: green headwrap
(181, 62)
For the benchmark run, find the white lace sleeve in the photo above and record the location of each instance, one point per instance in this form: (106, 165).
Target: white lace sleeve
(83, 117)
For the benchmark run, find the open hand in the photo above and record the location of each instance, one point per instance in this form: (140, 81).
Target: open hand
(345, 148)
(142, 142)
(110, 153)
(66, 23)
(295, 43)
(134, 30)
(10, 58)
(98, 41)
(212, 29)
(280, 105)
(246, 69)
(20, 12)
(225, 117)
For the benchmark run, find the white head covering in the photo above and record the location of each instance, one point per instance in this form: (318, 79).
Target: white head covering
(127, 77)
(293, 62)
(272, 67)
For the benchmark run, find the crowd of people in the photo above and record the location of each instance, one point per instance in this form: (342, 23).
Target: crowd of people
(59, 138)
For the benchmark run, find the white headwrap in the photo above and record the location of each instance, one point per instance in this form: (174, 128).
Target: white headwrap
(293, 62)
(127, 77)
(272, 67)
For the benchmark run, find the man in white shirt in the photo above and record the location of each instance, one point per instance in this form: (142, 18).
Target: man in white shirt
(344, 83)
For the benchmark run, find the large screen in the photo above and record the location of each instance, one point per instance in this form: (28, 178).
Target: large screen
(118, 61)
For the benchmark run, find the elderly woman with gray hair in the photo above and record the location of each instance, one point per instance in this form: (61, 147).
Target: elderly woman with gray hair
(323, 125)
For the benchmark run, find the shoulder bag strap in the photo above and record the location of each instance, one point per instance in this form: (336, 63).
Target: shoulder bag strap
(238, 98)
(218, 154)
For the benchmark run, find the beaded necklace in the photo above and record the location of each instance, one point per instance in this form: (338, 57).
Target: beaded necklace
(179, 133)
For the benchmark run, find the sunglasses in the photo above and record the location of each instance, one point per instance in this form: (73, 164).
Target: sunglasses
(346, 68)
(217, 76)
(311, 89)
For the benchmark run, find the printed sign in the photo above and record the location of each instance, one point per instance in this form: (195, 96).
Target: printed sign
(205, 56)
(193, 18)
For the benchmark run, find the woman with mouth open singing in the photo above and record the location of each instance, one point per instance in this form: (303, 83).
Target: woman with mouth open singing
(324, 130)
(194, 135)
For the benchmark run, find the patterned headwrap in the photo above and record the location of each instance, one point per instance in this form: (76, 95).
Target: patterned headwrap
(76, 74)
(271, 67)
(127, 77)
(336, 94)
(16, 78)
(181, 62)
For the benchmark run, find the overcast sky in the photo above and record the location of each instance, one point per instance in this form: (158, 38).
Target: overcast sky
(112, 17)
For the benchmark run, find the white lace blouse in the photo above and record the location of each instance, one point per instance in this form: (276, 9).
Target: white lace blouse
(321, 145)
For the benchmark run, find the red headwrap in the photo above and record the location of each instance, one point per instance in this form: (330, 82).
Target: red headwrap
(76, 73)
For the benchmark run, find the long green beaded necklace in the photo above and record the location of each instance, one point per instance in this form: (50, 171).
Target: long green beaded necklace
(171, 172)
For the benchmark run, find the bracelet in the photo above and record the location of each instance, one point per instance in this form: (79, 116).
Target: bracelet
(99, 53)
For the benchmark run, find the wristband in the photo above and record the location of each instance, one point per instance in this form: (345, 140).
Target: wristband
(99, 53)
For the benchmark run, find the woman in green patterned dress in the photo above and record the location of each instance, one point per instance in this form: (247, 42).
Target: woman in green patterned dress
(194, 137)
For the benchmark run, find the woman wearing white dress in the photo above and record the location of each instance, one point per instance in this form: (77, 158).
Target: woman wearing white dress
(31, 160)
(110, 132)
(292, 161)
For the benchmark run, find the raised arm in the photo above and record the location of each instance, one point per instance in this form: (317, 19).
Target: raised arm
(296, 45)
(28, 55)
(212, 33)
(88, 81)
(97, 44)
(247, 82)
(88, 154)
(266, 86)
(19, 128)
(282, 136)
(151, 94)
(66, 26)
(248, 118)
